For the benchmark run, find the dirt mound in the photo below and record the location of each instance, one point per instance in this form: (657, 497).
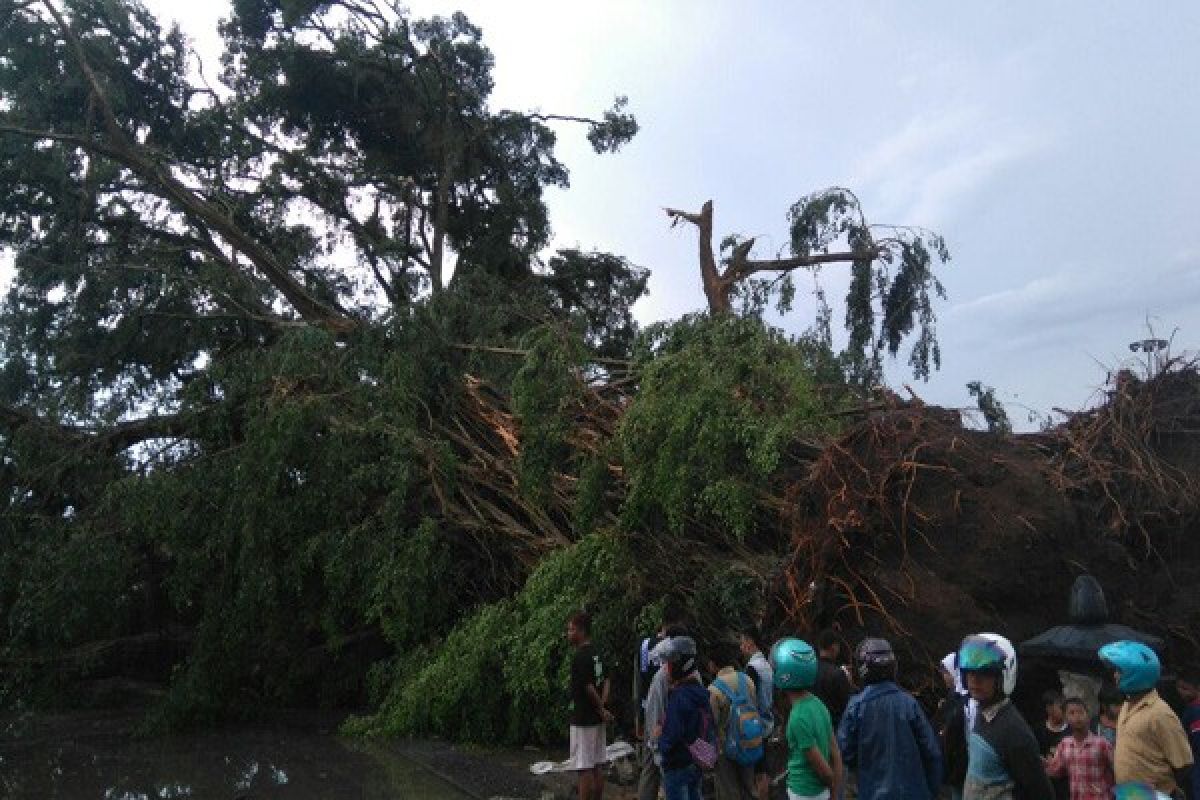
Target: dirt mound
(913, 526)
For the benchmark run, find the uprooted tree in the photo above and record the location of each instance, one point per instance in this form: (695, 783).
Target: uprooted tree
(262, 444)
(236, 435)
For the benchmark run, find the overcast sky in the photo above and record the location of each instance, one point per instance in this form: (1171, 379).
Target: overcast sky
(1052, 144)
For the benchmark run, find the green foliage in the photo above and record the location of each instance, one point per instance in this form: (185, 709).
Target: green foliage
(593, 294)
(545, 390)
(892, 284)
(728, 594)
(994, 414)
(501, 674)
(721, 399)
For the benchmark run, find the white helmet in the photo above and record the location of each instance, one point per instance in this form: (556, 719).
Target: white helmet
(989, 652)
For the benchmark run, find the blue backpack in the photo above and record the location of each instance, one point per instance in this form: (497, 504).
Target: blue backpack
(744, 737)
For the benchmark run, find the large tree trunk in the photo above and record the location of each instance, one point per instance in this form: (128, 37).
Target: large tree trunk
(716, 289)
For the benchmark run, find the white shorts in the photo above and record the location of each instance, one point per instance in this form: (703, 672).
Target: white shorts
(822, 796)
(588, 748)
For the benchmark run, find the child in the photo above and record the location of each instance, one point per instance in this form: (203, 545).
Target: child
(1110, 709)
(814, 761)
(1084, 758)
(1051, 733)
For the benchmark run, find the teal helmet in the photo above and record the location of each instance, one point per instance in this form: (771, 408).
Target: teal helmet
(1137, 664)
(1137, 790)
(795, 664)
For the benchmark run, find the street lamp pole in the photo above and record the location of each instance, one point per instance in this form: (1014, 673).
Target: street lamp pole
(1150, 347)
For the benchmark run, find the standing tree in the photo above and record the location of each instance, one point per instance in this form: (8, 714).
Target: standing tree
(892, 282)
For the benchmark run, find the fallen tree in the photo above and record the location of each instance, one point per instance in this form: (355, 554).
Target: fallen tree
(277, 478)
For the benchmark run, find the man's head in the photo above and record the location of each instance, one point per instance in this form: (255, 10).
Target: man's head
(829, 646)
(1188, 686)
(875, 661)
(579, 628)
(749, 641)
(984, 687)
(1110, 703)
(1053, 703)
(988, 664)
(1077, 716)
(722, 656)
(1135, 667)
(795, 665)
(679, 657)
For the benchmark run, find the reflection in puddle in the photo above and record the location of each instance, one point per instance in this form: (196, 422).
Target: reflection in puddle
(78, 757)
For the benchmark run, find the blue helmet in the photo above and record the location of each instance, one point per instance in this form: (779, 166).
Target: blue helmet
(1137, 665)
(795, 664)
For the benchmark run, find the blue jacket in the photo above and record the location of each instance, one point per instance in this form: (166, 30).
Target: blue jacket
(886, 739)
(687, 711)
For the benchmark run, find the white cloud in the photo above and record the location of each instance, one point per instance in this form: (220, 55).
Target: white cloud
(1075, 304)
(935, 164)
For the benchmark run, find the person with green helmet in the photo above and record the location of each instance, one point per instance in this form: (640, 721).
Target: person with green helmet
(1004, 761)
(1152, 746)
(814, 761)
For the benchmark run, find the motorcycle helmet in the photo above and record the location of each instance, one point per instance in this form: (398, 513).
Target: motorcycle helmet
(678, 655)
(1137, 665)
(989, 653)
(795, 664)
(875, 661)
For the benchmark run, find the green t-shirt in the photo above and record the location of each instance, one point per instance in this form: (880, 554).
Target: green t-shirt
(809, 724)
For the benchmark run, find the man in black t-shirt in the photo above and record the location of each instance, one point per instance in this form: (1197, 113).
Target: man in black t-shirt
(589, 715)
(833, 685)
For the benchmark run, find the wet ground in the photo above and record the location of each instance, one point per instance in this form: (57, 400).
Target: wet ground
(81, 756)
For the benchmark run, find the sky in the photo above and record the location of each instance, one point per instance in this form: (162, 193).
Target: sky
(1051, 144)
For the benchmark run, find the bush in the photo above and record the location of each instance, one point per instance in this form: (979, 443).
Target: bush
(501, 675)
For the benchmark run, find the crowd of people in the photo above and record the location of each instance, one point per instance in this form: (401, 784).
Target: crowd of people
(798, 724)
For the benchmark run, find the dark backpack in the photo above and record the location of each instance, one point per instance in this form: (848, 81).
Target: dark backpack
(746, 730)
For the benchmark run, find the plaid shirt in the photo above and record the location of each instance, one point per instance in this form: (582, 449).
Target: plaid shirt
(1088, 765)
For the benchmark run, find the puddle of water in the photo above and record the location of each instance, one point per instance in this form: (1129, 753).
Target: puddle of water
(81, 758)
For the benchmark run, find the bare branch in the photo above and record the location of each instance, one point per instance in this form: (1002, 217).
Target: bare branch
(796, 262)
(564, 118)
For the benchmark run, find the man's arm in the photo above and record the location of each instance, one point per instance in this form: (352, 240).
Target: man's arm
(1056, 767)
(638, 661)
(931, 751)
(845, 689)
(656, 707)
(820, 766)
(600, 700)
(1024, 763)
(1174, 743)
(839, 770)
(1183, 779)
(847, 735)
(671, 728)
